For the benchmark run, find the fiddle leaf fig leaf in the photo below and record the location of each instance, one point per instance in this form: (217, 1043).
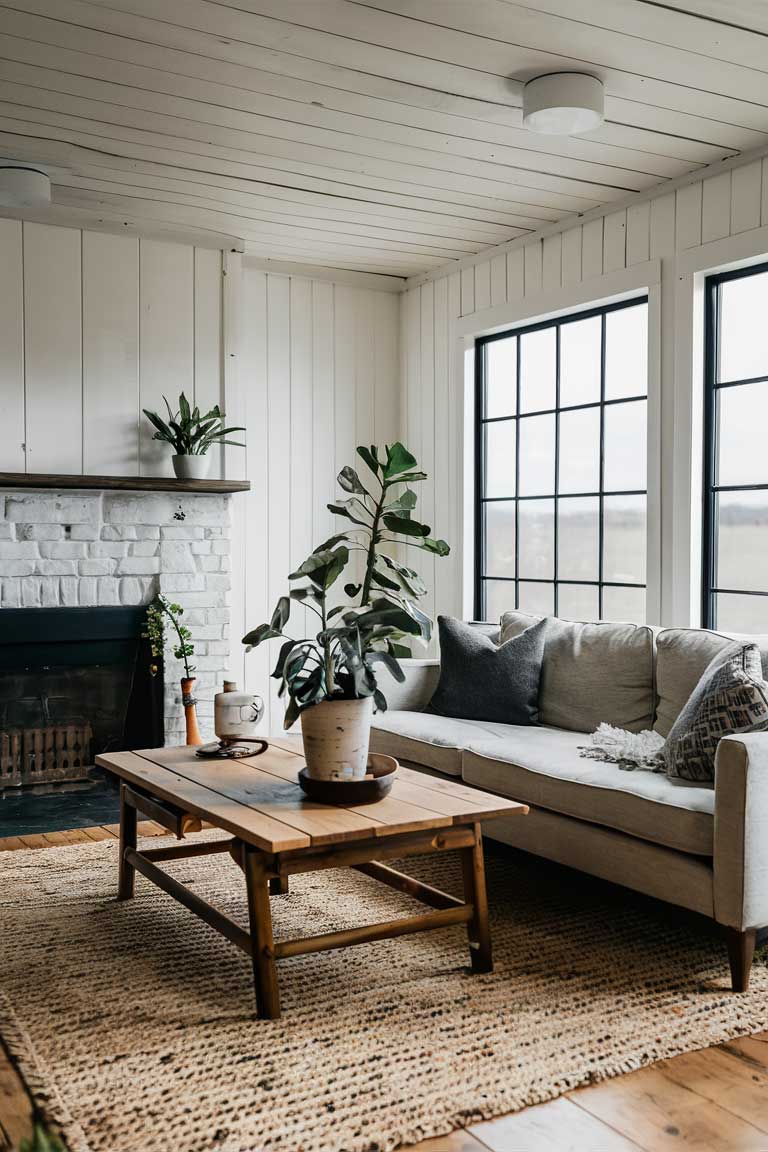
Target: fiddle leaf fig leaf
(404, 526)
(399, 460)
(349, 480)
(438, 547)
(370, 457)
(281, 614)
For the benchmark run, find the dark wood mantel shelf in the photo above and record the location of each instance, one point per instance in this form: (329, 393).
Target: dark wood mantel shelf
(121, 483)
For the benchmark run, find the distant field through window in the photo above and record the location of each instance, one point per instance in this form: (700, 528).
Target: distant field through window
(561, 430)
(735, 569)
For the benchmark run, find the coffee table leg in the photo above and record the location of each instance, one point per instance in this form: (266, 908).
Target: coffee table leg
(478, 929)
(263, 956)
(126, 873)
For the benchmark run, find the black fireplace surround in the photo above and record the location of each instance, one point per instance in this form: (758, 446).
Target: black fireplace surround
(81, 667)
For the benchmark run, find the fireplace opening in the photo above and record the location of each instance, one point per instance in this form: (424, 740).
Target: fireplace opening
(74, 682)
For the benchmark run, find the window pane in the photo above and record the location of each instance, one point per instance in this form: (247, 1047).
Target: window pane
(578, 602)
(741, 613)
(742, 417)
(578, 539)
(742, 540)
(500, 538)
(539, 598)
(537, 456)
(625, 446)
(624, 537)
(580, 362)
(499, 598)
(743, 331)
(501, 377)
(536, 525)
(580, 450)
(624, 604)
(537, 370)
(500, 458)
(626, 352)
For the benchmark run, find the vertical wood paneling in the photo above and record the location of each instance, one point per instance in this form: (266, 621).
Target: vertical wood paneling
(450, 565)
(345, 377)
(386, 361)
(615, 241)
(552, 262)
(323, 445)
(255, 507)
(301, 543)
(412, 349)
(208, 378)
(12, 454)
(532, 267)
(53, 355)
(442, 456)
(515, 274)
(279, 507)
(571, 255)
(592, 249)
(663, 210)
(688, 216)
(467, 290)
(746, 184)
(424, 562)
(716, 207)
(166, 339)
(482, 285)
(110, 354)
(365, 374)
(499, 279)
(638, 233)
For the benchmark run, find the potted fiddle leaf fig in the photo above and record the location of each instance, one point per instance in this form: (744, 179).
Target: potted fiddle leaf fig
(191, 434)
(330, 678)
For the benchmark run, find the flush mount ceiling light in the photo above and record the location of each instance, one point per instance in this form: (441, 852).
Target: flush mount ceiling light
(24, 187)
(563, 103)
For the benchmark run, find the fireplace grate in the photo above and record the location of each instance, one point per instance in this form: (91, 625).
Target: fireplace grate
(42, 755)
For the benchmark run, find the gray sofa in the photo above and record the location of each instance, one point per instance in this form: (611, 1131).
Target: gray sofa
(701, 847)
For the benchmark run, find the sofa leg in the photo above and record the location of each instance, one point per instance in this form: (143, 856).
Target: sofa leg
(741, 949)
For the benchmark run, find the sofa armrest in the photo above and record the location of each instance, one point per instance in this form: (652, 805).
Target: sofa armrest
(415, 693)
(741, 831)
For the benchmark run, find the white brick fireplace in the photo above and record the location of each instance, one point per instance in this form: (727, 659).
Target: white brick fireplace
(104, 548)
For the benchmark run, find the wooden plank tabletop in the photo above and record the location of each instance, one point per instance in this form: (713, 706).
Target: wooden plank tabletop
(258, 798)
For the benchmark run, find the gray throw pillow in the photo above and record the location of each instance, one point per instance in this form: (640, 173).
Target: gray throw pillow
(481, 680)
(731, 696)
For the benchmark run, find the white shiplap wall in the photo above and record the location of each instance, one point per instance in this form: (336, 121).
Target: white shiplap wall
(726, 207)
(95, 327)
(318, 375)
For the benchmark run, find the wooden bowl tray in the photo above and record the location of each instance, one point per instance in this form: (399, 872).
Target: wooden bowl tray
(374, 786)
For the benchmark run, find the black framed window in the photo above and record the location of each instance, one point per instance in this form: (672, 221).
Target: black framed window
(735, 525)
(560, 490)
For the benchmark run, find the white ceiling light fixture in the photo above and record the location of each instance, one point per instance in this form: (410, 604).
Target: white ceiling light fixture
(563, 103)
(24, 187)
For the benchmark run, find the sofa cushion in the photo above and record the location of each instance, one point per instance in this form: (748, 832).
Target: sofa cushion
(592, 673)
(682, 656)
(731, 697)
(482, 680)
(429, 740)
(542, 767)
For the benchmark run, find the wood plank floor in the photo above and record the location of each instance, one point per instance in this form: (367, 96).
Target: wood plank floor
(716, 1099)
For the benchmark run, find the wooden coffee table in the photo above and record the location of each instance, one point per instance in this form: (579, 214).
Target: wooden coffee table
(277, 832)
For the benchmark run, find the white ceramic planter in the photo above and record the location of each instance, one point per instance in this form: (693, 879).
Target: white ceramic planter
(336, 736)
(191, 467)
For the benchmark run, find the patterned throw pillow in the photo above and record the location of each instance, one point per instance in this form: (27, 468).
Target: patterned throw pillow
(731, 696)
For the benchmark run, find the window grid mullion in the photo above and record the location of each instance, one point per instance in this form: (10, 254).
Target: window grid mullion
(555, 540)
(518, 362)
(601, 495)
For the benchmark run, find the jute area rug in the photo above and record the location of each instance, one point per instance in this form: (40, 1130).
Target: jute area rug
(133, 1023)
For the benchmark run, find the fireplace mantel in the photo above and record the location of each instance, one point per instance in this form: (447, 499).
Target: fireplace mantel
(120, 483)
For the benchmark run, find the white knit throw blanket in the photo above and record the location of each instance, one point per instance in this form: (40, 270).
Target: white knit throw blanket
(630, 750)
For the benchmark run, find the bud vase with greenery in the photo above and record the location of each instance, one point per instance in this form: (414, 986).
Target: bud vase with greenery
(330, 678)
(160, 614)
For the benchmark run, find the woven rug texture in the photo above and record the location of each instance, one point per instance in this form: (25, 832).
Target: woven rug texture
(134, 1023)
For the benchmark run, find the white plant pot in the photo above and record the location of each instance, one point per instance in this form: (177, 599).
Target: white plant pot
(191, 467)
(336, 736)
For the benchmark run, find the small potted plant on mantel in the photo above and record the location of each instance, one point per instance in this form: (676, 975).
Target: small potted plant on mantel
(191, 435)
(330, 678)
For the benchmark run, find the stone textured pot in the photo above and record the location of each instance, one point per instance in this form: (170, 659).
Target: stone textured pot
(191, 467)
(336, 735)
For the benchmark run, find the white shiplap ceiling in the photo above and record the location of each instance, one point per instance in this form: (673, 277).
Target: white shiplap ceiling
(377, 135)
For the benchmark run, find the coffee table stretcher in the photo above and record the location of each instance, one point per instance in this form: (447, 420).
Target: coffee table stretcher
(268, 872)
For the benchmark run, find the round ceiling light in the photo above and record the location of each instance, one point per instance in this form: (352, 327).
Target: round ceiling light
(563, 103)
(24, 187)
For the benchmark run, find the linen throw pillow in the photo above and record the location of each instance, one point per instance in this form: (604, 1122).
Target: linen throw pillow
(481, 680)
(731, 696)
